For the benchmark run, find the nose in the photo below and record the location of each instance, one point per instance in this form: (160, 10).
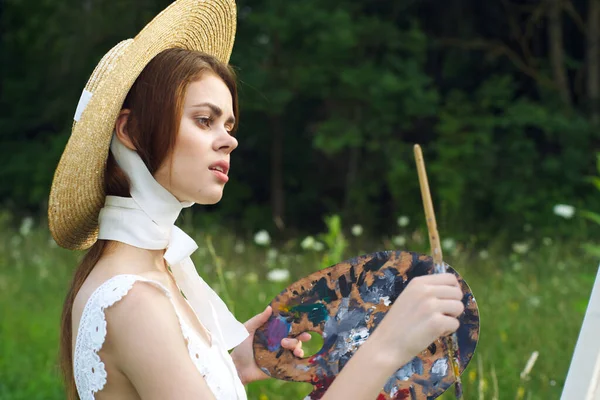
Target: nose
(226, 142)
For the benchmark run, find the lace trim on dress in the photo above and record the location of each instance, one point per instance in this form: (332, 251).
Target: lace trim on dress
(215, 364)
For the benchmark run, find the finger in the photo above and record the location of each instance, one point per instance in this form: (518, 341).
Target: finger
(440, 279)
(449, 325)
(452, 308)
(289, 343)
(446, 292)
(258, 320)
(304, 337)
(298, 351)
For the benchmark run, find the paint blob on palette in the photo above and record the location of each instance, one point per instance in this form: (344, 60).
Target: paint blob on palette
(344, 303)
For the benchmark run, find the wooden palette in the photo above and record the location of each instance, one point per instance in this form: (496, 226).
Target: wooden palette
(344, 303)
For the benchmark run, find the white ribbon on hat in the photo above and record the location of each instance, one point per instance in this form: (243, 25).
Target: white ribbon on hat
(146, 220)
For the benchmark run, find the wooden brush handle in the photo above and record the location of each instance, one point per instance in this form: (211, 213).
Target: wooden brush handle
(434, 238)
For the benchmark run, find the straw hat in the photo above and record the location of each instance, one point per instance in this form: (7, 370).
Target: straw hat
(77, 192)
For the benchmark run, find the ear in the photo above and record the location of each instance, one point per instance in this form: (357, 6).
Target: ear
(121, 129)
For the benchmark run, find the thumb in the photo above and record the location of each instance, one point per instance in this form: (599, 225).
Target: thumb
(259, 320)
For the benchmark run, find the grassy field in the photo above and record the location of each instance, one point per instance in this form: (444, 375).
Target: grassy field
(531, 298)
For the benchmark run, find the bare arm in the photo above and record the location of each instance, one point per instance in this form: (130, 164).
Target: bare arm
(426, 310)
(146, 339)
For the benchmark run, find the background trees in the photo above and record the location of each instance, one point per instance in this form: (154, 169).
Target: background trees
(503, 95)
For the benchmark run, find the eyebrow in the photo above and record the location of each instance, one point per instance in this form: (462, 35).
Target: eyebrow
(217, 110)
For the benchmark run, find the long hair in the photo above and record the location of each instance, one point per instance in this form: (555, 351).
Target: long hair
(155, 102)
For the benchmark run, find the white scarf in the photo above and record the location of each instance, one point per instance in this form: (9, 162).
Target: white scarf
(146, 220)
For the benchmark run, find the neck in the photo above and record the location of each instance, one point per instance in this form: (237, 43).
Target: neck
(143, 260)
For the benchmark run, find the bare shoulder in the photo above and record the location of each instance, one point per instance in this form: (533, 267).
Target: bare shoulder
(145, 340)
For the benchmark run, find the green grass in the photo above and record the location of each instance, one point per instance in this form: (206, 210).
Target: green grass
(528, 302)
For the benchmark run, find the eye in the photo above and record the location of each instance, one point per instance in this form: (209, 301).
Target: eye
(204, 121)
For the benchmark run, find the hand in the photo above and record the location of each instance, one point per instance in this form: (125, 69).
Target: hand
(243, 354)
(425, 310)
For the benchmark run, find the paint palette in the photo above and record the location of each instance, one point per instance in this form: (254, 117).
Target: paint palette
(344, 303)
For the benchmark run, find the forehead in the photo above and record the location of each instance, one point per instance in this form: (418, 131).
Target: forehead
(209, 89)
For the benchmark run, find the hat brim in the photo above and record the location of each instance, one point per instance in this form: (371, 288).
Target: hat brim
(77, 192)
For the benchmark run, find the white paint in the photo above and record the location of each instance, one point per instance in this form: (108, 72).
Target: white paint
(584, 373)
(440, 367)
(386, 300)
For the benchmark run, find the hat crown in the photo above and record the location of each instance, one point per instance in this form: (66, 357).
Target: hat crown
(77, 192)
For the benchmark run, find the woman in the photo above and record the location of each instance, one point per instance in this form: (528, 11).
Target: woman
(153, 133)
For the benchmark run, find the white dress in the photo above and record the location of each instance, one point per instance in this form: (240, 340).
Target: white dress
(213, 362)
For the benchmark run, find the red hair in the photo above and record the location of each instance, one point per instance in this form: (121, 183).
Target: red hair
(155, 102)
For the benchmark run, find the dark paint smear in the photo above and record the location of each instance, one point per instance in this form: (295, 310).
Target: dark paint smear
(316, 313)
(434, 384)
(345, 287)
(378, 317)
(432, 348)
(465, 344)
(352, 274)
(327, 345)
(375, 263)
(361, 279)
(383, 285)
(323, 292)
(418, 268)
(413, 393)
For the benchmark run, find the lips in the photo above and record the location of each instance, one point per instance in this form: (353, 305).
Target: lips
(220, 166)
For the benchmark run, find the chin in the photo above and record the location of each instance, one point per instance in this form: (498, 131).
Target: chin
(209, 198)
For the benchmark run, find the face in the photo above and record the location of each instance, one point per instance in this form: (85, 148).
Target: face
(197, 169)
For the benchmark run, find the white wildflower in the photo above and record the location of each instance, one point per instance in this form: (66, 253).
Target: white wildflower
(357, 230)
(15, 241)
(483, 254)
(547, 241)
(251, 277)
(263, 39)
(272, 254)
(278, 275)
(399, 240)
(239, 247)
(520, 248)
(534, 301)
(262, 238)
(43, 272)
(564, 210)
(448, 244)
(552, 382)
(318, 246)
(230, 275)
(403, 221)
(26, 226)
(517, 266)
(307, 243)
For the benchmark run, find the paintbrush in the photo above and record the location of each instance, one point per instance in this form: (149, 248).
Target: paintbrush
(436, 253)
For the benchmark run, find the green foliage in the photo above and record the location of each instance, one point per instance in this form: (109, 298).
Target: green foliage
(519, 298)
(334, 240)
(348, 87)
(593, 248)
